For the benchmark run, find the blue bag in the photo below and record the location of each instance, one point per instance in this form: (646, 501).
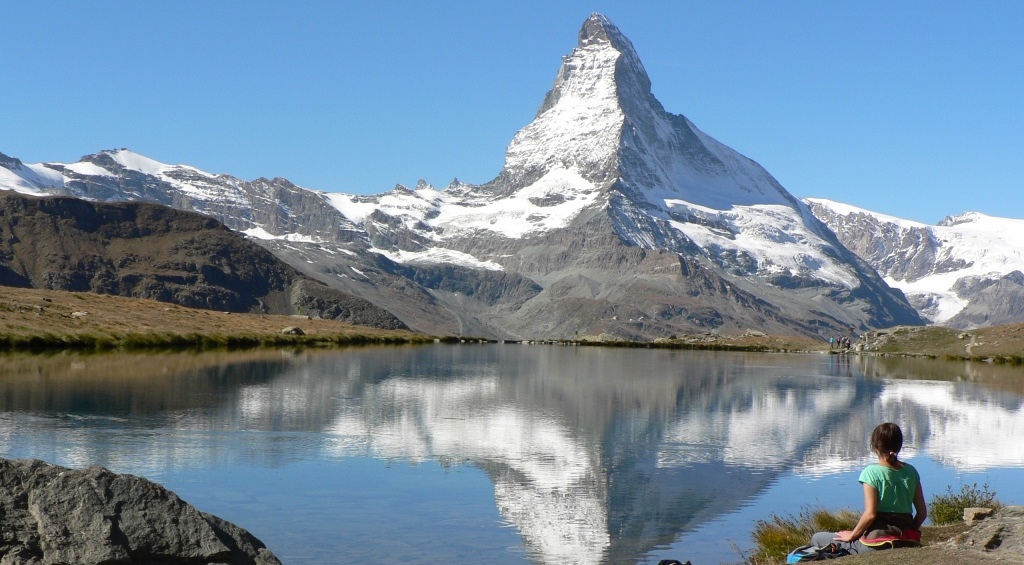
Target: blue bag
(814, 553)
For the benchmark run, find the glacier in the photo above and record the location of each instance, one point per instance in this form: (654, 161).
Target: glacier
(945, 269)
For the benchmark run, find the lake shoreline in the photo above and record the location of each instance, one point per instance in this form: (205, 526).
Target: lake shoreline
(48, 320)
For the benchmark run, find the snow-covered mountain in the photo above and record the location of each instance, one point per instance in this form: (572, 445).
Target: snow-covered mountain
(965, 272)
(610, 216)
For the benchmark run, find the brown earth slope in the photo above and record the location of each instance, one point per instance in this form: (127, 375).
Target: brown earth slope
(52, 317)
(143, 250)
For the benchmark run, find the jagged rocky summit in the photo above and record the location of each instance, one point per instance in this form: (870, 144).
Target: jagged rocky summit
(52, 514)
(610, 216)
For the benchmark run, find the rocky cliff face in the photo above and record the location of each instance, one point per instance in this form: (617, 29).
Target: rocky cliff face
(965, 272)
(150, 251)
(51, 514)
(609, 216)
(633, 222)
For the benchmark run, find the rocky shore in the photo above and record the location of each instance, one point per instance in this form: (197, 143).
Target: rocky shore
(998, 538)
(51, 514)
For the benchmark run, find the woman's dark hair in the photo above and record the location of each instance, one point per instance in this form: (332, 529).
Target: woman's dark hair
(887, 441)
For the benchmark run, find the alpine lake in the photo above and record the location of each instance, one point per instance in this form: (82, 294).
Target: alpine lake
(509, 453)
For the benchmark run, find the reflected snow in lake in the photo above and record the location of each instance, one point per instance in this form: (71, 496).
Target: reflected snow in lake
(511, 453)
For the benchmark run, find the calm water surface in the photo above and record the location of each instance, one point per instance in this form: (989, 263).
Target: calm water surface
(511, 453)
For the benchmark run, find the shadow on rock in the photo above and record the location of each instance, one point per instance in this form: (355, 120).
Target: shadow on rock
(52, 514)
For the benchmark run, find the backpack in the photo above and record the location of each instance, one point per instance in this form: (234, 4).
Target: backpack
(814, 553)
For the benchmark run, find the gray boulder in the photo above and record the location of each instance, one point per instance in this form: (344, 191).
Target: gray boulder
(54, 515)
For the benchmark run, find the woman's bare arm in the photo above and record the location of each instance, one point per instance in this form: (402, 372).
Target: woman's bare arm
(920, 508)
(866, 519)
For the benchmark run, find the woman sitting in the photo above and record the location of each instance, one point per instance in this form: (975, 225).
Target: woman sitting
(894, 506)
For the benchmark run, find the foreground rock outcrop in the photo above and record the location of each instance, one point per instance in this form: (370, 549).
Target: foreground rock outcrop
(1000, 535)
(51, 514)
(995, 539)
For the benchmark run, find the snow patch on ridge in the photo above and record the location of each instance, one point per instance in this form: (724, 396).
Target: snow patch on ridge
(413, 205)
(136, 162)
(86, 168)
(353, 207)
(196, 184)
(937, 288)
(30, 179)
(441, 256)
(850, 210)
(549, 203)
(773, 234)
(260, 233)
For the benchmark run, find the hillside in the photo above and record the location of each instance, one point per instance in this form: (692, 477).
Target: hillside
(51, 319)
(143, 250)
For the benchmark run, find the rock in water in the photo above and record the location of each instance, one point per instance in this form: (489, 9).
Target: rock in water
(52, 514)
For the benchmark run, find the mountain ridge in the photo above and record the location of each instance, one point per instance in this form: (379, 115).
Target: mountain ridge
(966, 271)
(609, 216)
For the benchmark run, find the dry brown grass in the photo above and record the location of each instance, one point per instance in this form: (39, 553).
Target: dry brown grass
(48, 318)
(997, 343)
(78, 319)
(777, 536)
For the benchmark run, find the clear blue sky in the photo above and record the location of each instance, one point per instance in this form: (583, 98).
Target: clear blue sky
(914, 109)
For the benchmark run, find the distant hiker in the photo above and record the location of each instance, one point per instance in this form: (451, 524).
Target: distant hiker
(831, 342)
(894, 506)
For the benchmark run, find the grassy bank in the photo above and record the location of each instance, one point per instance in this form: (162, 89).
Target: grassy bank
(36, 320)
(775, 537)
(997, 344)
(39, 320)
(779, 535)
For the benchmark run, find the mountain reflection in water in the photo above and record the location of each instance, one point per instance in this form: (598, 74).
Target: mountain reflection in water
(596, 455)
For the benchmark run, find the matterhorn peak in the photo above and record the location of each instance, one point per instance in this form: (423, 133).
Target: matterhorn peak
(579, 124)
(600, 121)
(599, 28)
(604, 57)
(595, 29)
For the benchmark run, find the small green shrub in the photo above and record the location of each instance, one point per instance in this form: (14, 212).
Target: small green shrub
(949, 508)
(777, 536)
